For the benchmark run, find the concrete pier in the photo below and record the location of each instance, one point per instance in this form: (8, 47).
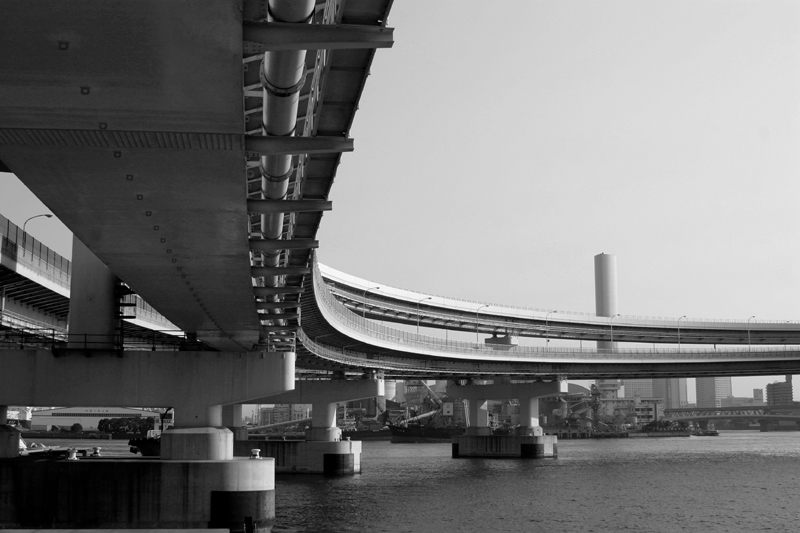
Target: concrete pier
(527, 442)
(136, 493)
(323, 451)
(506, 446)
(197, 483)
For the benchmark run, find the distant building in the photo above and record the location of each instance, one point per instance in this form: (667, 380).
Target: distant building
(648, 410)
(711, 391)
(283, 412)
(733, 401)
(780, 393)
(87, 417)
(758, 395)
(638, 388)
(672, 391)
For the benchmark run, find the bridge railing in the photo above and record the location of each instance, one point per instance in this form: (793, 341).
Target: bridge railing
(488, 310)
(54, 339)
(359, 327)
(13, 320)
(31, 253)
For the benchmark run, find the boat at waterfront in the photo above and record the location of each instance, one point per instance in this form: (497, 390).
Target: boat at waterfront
(382, 433)
(415, 432)
(149, 445)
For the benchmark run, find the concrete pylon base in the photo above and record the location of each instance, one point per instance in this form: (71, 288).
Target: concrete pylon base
(472, 430)
(502, 446)
(307, 457)
(99, 493)
(204, 443)
(333, 434)
(9, 441)
(535, 431)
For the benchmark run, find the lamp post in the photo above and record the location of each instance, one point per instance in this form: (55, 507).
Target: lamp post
(547, 325)
(679, 332)
(418, 301)
(24, 224)
(364, 314)
(748, 331)
(477, 339)
(611, 322)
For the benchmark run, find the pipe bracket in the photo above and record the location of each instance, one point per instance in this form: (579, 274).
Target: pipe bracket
(274, 90)
(271, 178)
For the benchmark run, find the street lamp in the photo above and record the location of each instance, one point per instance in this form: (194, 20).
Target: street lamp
(679, 332)
(546, 317)
(24, 224)
(418, 301)
(748, 331)
(477, 339)
(364, 315)
(611, 322)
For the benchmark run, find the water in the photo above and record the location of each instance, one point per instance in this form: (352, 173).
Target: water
(739, 481)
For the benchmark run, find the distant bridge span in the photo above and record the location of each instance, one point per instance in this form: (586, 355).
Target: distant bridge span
(727, 413)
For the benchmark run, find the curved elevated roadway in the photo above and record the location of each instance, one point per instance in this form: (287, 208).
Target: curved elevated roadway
(196, 164)
(338, 335)
(381, 302)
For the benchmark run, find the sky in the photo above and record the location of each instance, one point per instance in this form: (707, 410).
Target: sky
(499, 147)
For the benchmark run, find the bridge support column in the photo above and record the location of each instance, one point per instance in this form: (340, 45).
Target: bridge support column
(9, 436)
(529, 416)
(195, 484)
(478, 417)
(323, 451)
(529, 442)
(93, 308)
(323, 423)
(232, 419)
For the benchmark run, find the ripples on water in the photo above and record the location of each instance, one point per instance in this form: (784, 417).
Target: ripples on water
(739, 481)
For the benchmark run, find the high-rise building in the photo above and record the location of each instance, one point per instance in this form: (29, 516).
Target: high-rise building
(638, 388)
(780, 393)
(758, 395)
(672, 391)
(710, 391)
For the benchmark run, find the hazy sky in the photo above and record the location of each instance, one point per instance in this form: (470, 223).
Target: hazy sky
(500, 146)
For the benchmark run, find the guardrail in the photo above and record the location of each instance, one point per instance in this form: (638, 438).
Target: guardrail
(31, 253)
(366, 330)
(53, 339)
(489, 309)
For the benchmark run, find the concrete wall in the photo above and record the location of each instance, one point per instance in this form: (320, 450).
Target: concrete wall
(188, 381)
(101, 493)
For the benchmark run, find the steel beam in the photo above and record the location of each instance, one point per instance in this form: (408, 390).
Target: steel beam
(279, 271)
(277, 305)
(263, 37)
(281, 316)
(265, 206)
(278, 329)
(261, 292)
(281, 145)
(274, 245)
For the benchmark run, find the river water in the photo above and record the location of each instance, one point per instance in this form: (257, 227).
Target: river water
(738, 481)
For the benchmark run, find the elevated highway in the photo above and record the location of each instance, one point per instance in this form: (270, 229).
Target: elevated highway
(378, 301)
(193, 169)
(338, 335)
